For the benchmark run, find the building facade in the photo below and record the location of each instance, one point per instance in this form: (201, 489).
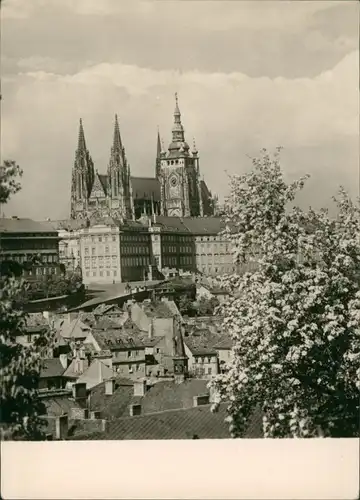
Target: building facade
(100, 253)
(176, 189)
(34, 245)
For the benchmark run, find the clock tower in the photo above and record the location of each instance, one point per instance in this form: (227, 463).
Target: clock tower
(179, 175)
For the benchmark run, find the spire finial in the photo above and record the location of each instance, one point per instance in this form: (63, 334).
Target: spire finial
(81, 139)
(177, 110)
(194, 148)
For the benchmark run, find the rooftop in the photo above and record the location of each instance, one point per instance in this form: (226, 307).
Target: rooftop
(17, 225)
(95, 374)
(113, 406)
(51, 367)
(119, 338)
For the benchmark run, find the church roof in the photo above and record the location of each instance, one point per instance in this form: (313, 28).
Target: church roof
(104, 181)
(145, 188)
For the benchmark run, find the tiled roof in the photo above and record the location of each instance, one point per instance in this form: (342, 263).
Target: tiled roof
(105, 323)
(191, 423)
(203, 225)
(95, 374)
(118, 339)
(167, 395)
(71, 372)
(200, 344)
(113, 406)
(171, 223)
(17, 225)
(51, 368)
(145, 188)
(58, 405)
(224, 343)
(76, 329)
(106, 308)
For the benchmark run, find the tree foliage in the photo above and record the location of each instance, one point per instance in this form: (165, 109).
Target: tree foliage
(20, 406)
(295, 320)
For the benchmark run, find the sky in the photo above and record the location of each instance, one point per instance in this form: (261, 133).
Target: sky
(249, 75)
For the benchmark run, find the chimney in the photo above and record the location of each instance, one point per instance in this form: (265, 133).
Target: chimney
(61, 427)
(64, 360)
(79, 390)
(140, 387)
(151, 330)
(109, 386)
(135, 409)
(202, 399)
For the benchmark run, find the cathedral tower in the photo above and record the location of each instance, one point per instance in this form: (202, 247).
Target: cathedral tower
(82, 178)
(180, 175)
(119, 182)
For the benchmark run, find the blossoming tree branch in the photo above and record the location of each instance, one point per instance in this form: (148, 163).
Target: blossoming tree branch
(295, 320)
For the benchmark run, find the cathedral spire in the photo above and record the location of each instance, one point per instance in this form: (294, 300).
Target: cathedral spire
(158, 155)
(117, 144)
(178, 129)
(81, 138)
(158, 145)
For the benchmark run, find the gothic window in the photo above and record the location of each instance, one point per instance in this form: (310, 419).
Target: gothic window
(100, 239)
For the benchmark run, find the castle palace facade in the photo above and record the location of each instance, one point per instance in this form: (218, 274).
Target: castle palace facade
(176, 190)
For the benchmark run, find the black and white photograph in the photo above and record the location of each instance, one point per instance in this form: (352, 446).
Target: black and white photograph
(179, 220)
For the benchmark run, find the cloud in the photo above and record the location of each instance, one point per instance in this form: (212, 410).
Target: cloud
(230, 114)
(291, 39)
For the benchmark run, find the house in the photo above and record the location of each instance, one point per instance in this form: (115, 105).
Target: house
(112, 311)
(96, 373)
(52, 374)
(202, 356)
(126, 347)
(209, 292)
(74, 329)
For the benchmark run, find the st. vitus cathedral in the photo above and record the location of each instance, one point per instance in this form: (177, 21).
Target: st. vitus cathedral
(176, 190)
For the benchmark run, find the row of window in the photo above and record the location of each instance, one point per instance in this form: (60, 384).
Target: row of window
(43, 271)
(202, 359)
(126, 250)
(43, 258)
(28, 245)
(100, 239)
(169, 261)
(199, 371)
(185, 260)
(132, 238)
(100, 250)
(130, 368)
(134, 261)
(101, 273)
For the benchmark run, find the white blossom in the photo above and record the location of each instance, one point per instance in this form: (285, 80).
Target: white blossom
(295, 321)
